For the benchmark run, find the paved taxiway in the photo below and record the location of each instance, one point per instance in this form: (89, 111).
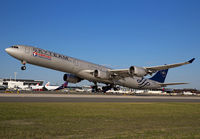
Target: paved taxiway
(92, 98)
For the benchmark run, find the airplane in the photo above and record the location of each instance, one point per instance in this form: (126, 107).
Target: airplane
(65, 85)
(55, 87)
(77, 70)
(38, 87)
(51, 87)
(48, 87)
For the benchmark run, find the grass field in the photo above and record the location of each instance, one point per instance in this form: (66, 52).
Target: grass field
(99, 120)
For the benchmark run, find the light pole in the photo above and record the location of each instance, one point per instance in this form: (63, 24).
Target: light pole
(15, 75)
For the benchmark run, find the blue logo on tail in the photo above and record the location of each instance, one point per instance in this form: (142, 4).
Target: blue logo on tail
(160, 76)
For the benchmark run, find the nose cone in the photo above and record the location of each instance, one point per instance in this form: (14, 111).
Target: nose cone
(11, 51)
(14, 52)
(8, 50)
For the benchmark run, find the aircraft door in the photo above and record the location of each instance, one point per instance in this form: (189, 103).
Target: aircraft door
(75, 64)
(27, 50)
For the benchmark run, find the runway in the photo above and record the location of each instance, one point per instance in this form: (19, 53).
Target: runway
(92, 98)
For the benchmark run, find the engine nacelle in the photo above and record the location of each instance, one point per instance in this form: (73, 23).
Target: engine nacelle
(137, 71)
(71, 78)
(101, 74)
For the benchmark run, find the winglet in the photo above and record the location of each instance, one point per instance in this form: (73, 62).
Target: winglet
(190, 61)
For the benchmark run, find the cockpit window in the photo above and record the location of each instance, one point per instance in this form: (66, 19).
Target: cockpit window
(14, 47)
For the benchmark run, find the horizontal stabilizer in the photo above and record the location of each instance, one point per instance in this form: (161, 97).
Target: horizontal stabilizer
(166, 84)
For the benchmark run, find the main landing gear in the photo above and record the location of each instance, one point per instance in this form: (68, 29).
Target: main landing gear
(95, 88)
(109, 87)
(104, 88)
(23, 67)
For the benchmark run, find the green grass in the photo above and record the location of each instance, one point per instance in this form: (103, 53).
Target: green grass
(99, 120)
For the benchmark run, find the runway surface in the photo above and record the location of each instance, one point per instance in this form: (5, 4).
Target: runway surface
(92, 98)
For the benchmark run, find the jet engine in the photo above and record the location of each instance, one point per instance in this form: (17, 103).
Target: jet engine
(101, 74)
(71, 78)
(137, 71)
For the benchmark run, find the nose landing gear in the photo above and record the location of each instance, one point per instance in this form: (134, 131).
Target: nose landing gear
(23, 67)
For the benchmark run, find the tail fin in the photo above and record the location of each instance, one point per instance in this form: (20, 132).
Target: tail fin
(47, 84)
(160, 76)
(62, 86)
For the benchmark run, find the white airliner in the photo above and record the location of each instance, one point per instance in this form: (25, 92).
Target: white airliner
(51, 87)
(37, 87)
(77, 70)
(48, 87)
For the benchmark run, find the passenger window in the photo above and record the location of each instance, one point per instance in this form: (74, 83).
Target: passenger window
(14, 47)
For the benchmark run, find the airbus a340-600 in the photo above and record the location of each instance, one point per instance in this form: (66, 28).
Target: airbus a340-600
(77, 70)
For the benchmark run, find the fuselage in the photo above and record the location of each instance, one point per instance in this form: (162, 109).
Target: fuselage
(80, 68)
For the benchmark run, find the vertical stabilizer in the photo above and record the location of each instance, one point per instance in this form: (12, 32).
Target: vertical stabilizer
(160, 76)
(62, 86)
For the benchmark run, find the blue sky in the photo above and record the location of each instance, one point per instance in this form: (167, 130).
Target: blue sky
(119, 33)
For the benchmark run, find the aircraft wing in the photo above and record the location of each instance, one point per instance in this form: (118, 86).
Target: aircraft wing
(148, 70)
(166, 84)
(163, 67)
(120, 73)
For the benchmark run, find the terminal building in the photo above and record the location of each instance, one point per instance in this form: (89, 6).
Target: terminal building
(22, 82)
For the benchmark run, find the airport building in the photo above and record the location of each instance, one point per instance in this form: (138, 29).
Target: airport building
(25, 82)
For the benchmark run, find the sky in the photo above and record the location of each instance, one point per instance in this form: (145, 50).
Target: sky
(115, 33)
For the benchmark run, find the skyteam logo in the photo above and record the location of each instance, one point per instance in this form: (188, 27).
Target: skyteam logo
(163, 74)
(36, 54)
(143, 83)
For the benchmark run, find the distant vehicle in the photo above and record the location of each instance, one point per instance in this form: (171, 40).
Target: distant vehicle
(79, 90)
(154, 92)
(188, 93)
(167, 90)
(139, 91)
(87, 88)
(118, 91)
(78, 70)
(2, 87)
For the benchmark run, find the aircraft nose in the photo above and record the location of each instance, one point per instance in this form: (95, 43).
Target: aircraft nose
(13, 52)
(10, 51)
(7, 50)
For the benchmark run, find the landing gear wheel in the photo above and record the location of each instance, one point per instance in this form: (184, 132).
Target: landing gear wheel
(116, 88)
(106, 88)
(23, 68)
(95, 88)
